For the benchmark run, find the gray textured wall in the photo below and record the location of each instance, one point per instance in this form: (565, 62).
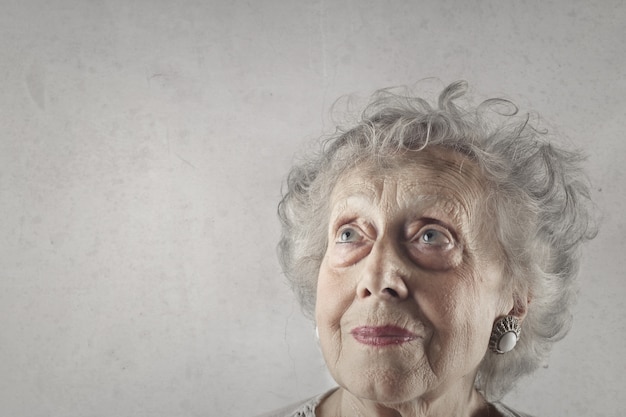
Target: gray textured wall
(142, 151)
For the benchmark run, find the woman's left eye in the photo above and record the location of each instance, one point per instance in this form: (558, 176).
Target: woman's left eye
(435, 247)
(434, 237)
(348, 235)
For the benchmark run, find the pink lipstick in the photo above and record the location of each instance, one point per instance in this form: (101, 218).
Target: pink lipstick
(382, 335)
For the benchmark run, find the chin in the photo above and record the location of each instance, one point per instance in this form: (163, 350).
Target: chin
(385, 386)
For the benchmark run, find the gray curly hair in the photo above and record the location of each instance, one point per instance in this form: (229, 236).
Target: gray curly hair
(539, 198)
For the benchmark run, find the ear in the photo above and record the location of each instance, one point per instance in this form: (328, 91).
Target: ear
(520, 306)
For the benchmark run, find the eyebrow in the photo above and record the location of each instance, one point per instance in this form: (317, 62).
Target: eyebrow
(456, 217)
(360, 199)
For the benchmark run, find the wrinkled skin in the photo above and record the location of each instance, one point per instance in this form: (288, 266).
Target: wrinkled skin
(409, 246)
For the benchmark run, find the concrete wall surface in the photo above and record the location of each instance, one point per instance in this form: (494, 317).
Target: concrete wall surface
(142, 152)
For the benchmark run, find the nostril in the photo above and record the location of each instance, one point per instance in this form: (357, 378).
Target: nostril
(391, 292)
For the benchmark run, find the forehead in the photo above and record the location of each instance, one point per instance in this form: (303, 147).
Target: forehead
(439, 175)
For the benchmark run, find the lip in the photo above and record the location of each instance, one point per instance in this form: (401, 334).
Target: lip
(382, 335)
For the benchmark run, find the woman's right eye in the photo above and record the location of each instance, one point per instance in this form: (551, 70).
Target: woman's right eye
(351, 244)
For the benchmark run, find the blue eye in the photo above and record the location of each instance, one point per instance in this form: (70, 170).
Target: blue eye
(435, 237)
(348, 235)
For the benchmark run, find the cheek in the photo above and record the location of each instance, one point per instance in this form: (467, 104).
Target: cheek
(333, 299)
(458, 310)
(334, 295)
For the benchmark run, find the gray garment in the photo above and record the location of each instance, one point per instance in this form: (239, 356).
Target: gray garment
(307, 408)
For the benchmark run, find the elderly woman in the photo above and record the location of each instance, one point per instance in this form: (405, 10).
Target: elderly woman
(436, 249)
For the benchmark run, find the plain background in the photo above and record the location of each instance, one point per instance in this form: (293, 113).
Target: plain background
(142, 151)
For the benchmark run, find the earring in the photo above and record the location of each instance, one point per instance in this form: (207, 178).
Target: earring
(505, 334)
(317, 333)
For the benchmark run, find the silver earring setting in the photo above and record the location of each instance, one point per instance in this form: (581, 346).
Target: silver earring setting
(505, 334)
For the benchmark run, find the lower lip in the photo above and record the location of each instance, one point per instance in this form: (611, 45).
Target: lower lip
(382, 336)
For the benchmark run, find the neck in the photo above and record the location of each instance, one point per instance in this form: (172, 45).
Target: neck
(472, 404)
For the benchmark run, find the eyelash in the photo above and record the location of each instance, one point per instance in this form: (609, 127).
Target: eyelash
(347, 229)
(442, 234)
(445, 234)
(431, 247)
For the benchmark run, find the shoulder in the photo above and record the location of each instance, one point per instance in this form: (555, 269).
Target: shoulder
(508, 411)
(305, 408)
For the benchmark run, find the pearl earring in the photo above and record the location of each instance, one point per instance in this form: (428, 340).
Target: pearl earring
(505, 334)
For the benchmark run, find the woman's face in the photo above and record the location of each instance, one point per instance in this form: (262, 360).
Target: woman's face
(410, 284)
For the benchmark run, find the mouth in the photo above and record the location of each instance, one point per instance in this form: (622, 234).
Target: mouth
(382, 335)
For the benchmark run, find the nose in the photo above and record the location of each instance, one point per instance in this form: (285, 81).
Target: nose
(385, 274)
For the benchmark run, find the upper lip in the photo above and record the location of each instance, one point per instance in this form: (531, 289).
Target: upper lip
(390, 331)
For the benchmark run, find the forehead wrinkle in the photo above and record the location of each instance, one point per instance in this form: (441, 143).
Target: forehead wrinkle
(352, 196)
(453, 201)
(451, 181)
(460, 203)
(462, 190)
(434, 205)
(444, 193)
(415, 207)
